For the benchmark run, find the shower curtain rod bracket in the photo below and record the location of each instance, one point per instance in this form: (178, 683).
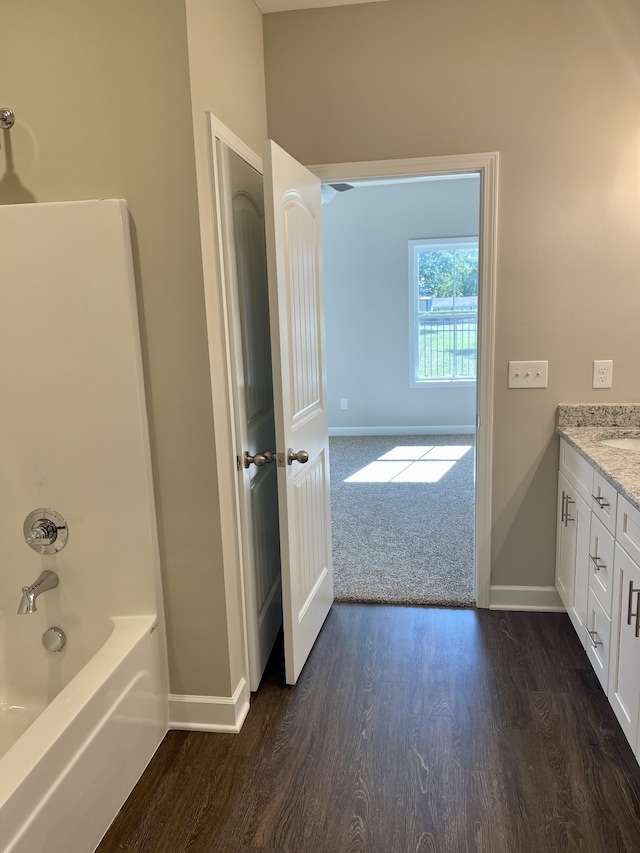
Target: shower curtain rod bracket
(7, 118)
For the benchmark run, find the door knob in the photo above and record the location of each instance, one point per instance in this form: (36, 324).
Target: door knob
(301, 456)
(259, 459)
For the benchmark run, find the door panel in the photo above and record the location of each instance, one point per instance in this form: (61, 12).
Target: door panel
(247, 290)
(292, 218)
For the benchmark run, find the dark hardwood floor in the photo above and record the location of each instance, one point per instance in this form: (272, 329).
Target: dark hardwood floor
(410, 729)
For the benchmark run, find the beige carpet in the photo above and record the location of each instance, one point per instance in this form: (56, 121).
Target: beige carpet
(402, 513)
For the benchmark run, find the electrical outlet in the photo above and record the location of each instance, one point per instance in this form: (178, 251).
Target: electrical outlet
(528, 374)
(344, 403)
(603, 373)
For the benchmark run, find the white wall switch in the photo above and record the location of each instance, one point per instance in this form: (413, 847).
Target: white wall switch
(603, 373)
(344, 403)
(528, 374)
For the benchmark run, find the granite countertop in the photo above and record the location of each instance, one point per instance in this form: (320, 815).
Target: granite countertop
(584, 427)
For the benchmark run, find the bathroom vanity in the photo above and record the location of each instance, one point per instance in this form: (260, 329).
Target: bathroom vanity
(598, 547)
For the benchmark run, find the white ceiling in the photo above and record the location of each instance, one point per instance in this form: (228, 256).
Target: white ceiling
(267, 6)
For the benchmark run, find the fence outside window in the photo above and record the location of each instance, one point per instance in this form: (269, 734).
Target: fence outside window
(447, 345)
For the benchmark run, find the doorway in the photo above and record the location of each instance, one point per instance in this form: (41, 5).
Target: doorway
(484, 165)
(401, 297)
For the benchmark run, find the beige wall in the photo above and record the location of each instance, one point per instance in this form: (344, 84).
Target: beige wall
(102, 98)
(226, 64)
(555, 88)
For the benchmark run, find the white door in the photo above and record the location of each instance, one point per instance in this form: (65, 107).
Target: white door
(241, 201)
(292, 219)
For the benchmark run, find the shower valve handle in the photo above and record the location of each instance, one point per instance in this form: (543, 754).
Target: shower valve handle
(43, 532)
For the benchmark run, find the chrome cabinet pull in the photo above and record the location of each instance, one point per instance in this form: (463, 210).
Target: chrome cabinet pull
(630, 614)
(563, 508)
(599, 565)
(567, 517)
(592, 637)
(602, 502)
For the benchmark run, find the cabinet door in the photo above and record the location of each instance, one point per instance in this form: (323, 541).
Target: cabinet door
(572, 554)
(624, 665)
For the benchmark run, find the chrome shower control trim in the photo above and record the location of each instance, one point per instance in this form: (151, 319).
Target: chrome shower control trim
(46, 531)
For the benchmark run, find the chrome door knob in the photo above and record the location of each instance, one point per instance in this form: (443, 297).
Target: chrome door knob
(301, 456)
(259, 459)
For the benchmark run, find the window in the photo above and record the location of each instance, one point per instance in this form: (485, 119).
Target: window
(443, 297)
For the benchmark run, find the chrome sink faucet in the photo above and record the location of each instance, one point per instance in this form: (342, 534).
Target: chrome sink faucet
(47, 580)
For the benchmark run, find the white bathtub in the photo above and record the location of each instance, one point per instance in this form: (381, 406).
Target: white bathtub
(66, 776)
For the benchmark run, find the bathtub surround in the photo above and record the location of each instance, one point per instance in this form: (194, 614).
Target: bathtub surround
(75, 440)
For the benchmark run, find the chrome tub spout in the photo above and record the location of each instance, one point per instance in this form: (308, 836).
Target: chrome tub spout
(47, 580)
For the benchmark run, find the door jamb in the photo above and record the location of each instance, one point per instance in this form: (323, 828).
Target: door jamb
(486, 165)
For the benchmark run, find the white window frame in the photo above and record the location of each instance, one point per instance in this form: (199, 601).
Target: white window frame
(435, 244)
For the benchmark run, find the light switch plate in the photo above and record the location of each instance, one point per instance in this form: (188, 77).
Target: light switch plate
(528, 374)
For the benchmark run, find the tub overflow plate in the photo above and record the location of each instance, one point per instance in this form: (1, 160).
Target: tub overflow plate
(54, 639)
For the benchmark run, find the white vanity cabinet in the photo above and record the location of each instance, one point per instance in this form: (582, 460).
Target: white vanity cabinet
(575, 482)
(624, 660)
(598, 579)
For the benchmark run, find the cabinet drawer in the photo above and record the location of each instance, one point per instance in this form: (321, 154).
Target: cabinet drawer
(628, 528)
(603, 501)
(598, 638)
(601, 545)
(577, 470)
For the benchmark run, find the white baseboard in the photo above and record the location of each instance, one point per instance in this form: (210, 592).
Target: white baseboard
(544, 598)
(404, 430)
(210, 713)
